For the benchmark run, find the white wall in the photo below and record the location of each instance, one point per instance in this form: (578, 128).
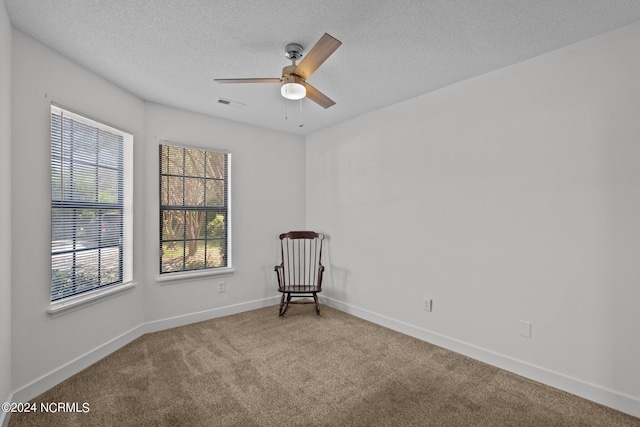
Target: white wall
(511, 196)
(42, 344)
(5, 212)
(268, 187)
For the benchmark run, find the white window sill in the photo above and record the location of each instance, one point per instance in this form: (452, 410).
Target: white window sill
(68, 304)
(172, 277)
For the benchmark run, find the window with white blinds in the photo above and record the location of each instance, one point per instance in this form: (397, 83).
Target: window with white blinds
(194, 209)
(91, 205)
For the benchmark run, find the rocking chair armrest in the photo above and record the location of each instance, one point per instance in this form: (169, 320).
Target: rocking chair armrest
(320, 274)
(279, 271)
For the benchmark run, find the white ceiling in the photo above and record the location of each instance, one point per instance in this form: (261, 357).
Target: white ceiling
(169, 51)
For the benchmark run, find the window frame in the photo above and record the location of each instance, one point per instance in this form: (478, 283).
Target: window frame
(123, 188)
(167, 276)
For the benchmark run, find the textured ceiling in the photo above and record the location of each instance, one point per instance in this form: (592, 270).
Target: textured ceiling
(169, 51)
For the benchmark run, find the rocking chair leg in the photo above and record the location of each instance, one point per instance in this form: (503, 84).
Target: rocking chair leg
(315, 298)
(284, 305)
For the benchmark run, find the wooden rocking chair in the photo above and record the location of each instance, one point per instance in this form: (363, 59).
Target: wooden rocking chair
(300, 273)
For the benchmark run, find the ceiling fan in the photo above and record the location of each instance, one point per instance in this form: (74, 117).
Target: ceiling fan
(293, 80)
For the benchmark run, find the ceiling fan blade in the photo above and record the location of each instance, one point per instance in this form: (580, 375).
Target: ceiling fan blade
(318, 97)
(267, 80)
(317, 55)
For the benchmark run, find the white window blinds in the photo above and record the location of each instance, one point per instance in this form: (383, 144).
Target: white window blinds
(91, 205)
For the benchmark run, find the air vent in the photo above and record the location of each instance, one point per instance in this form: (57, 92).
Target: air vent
(230, 103)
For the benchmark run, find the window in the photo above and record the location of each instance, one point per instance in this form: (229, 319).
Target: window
(194, 209)
(91, 205)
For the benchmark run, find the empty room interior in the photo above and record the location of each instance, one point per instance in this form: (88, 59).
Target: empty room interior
(474, 167)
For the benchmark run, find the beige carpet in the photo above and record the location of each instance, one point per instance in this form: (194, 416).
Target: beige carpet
(258, 369)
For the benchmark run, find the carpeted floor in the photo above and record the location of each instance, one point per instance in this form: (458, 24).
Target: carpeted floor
(258, 369)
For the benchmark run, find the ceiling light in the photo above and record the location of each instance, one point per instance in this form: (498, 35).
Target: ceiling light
(292, 88)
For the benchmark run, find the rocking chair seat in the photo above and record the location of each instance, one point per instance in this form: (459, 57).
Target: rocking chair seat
(299, 289)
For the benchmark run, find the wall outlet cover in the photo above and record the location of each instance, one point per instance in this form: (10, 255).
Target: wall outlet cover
(525, 329)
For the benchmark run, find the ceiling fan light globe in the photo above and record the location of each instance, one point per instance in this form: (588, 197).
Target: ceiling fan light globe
(293, 91)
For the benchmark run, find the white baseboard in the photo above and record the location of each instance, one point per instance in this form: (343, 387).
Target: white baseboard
(60, 374)
(71, 368)
(186, 319)
(613, 399)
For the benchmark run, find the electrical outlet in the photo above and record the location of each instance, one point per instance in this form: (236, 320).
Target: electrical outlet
(222, 287)
(525, 329)
(427, 303)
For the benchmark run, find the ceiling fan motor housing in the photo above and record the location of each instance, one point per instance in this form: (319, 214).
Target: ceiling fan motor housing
(293, 51)
(288, 71)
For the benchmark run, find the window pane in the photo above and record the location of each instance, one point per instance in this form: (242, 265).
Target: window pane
(63, 232)
(62, 279)
(195, 255)
(56, 158)
(215, 165)
(215, 192)
(172, 256)
(215, 253)
(215, 226)
(108, 187)
(173, 160)
(110, 233)
(110, 265)
(172, 225)
(81, 183)
(164, 159)
(82, 141)
(109, 149)
(194, 163)
(171, 191)
(193, 192)
(195, 224)
(86, 270)
(86, 224)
